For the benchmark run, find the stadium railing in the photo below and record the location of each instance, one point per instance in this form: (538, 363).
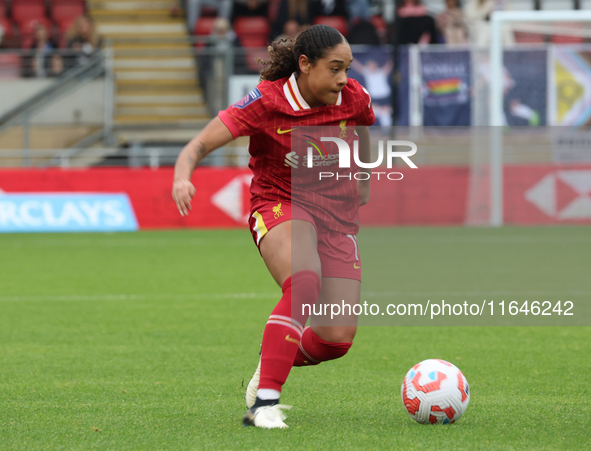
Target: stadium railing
(42, 109)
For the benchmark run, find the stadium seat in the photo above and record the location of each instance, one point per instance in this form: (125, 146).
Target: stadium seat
(7, 25)
(10, 65)
(381, 27)
(568, 39)
(26, 10)
(3, 8)
(528, 38)
(253, 27)
(338, 22)
(203, 26)
(27, 30)
(66, 11)
(253, 42)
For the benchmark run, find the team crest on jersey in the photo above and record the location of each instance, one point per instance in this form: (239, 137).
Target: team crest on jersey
(277, 210)
(247, 100)
(343, 126)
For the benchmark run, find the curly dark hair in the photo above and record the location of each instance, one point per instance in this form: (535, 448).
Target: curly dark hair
(284, 55)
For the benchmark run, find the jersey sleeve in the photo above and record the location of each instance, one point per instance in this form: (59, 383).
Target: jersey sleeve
(366, 115)
(247, 116)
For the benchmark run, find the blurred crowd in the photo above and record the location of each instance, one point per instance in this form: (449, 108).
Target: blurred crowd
(52, 40)
(461, 22)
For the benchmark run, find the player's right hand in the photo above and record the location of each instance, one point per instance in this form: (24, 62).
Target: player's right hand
(182, 193)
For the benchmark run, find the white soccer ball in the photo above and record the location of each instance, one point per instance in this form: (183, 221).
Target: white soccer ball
(435, 391)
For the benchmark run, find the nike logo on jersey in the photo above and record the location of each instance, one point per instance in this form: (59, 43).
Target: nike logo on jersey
(293, 340)
(281, 132)
(355, 266)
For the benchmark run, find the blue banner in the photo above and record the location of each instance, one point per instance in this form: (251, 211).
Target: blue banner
(446, 85)
(67, 212)
(524, 87)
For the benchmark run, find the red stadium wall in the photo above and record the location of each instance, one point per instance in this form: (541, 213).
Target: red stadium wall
(427, 196)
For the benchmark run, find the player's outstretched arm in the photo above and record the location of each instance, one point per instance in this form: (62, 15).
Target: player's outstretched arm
(214, 135)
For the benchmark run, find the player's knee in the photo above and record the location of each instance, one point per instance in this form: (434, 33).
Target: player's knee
(337, 335)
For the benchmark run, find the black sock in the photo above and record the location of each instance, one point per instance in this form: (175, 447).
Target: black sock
(265, 402)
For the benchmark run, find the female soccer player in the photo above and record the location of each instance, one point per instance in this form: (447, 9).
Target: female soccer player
(304, 84)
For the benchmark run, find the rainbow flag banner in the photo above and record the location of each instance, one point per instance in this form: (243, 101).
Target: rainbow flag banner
(446, 80)
(444, 87)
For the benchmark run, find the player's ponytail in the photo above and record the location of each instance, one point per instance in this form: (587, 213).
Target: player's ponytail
(285, 54)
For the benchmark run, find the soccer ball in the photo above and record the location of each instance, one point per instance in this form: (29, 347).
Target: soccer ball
(435, 391)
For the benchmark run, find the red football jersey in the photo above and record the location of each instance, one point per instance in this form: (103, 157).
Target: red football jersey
(269, 115)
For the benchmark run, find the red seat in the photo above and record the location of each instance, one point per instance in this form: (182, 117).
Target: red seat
(65, 24)
(23, 10)
(557, 39)
(252, 27)
(2, 9)
(27, 30)
(528, 38)
(203, 26)
(338, 22)
(7, 25)
(256, 42)
(10, 65)
(66, 10)
(568, 39)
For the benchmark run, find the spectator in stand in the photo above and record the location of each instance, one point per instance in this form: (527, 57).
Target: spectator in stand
(291, 30)
(211, 63)
(249, 8)
(2, 34)
(359, 10)
(363, 33)
(37, 62)
(450, 23)
(193, 8)
(290, 10)
(414, 25)
(83, 39)
(327, 8)
(477, 13)
(56, 65)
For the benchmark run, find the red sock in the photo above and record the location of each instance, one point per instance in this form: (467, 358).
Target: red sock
(313, 349)
(283, 331)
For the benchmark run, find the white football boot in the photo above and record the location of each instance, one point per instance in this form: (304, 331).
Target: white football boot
(266, 417)
(253, 386)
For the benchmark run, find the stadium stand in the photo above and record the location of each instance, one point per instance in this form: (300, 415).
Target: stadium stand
(338, 22)
(156, 82)
(10, 65)
(252, 31)
(65, 12)
(27, 30)
(27, 10)
(203, 27)
(253, 35)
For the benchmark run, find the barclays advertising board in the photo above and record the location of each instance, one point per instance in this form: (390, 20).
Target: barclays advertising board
(66, 212)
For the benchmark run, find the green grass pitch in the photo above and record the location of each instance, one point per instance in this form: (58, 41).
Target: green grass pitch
(147, 341)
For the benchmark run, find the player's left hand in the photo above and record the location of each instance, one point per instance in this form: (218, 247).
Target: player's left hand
(363, 187)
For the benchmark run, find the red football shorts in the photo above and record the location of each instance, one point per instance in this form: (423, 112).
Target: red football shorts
(338, 252)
